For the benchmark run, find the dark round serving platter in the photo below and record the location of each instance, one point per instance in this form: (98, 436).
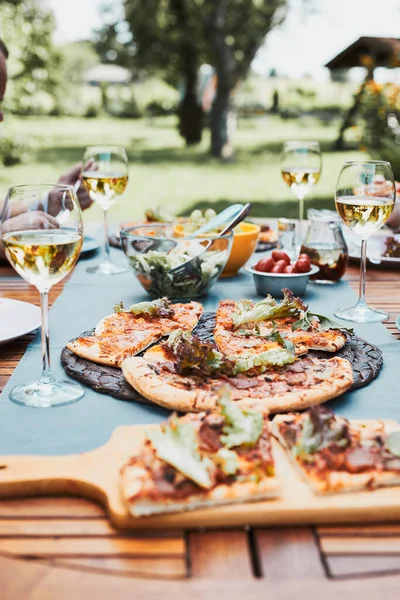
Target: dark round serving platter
(365, 358)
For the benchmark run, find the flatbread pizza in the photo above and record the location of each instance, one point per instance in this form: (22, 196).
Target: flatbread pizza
(200, 461)
(128, 332)
(245, 327)
(333, 454)
(186, 374)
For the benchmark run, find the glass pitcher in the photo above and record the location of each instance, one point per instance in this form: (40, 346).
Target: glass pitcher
(325, 245)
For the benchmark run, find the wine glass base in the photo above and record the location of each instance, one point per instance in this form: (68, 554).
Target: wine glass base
(107, 268)
(47, 395)
(361, 314)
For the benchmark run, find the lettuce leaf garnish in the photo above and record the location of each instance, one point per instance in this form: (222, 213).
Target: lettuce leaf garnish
(275, 357)
(320, 429)
(227, 460)
(324, 323)
(243, 427)
(156, 308)
(191, 356)
(267, 309)
(176, 444)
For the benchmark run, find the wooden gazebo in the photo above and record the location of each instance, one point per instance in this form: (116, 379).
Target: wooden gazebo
(368, 52)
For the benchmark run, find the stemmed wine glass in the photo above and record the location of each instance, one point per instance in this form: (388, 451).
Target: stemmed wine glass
(105, 175)
(365, 197)
(41, 229)
(301, 165)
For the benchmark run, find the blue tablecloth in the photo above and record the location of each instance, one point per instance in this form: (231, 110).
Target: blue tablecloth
(88, 423)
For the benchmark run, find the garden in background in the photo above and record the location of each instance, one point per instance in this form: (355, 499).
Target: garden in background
(163, 171)
(120, 87)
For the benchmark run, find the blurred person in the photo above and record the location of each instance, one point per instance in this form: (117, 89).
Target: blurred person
(38, 219)
(394, 220)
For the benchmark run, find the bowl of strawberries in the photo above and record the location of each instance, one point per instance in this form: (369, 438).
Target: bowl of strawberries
(277, 271)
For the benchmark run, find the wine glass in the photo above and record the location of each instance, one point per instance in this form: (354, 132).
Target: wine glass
(105, 175)
(41, 229)
(364, 204)
(301, 165)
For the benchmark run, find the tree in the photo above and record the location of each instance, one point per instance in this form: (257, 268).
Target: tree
(165, 38)
(177, 36)
(235, 31)
(34, 64)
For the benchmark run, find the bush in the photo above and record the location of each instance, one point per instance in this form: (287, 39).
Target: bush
(57, 111)
(125, 109)
(155, 97)
(380, 123)
(13, 151)
(160, 108)
(92, 111)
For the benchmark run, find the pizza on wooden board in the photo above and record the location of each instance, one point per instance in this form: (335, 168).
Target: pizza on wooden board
(200, 461)
(245, 327)
(186, 374)
(128, 332)
(335, 455)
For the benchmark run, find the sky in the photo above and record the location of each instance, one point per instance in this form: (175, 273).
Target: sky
(303, 44)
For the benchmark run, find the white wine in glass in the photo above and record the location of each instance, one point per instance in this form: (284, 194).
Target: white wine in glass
(41, 230)
(105, 176)
(301, 165)
(363, 211)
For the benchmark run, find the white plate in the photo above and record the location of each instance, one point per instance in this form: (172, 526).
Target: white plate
(17, 319)
(375, 247)
(90, 244)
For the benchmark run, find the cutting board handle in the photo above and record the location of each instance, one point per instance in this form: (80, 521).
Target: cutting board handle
(39, 475)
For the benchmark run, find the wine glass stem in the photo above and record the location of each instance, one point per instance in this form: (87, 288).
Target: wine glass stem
(106, 238)
(301, 208)
(46, 376)
(363, 272)
(300, 198)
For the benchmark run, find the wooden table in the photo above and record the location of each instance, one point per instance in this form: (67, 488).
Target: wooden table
(63, 548)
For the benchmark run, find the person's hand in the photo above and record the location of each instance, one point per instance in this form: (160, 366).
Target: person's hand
(27, 220)
(394, 220)
(30, 220)
(70, 178)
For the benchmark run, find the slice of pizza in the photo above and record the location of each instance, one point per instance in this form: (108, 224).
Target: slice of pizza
(161, 313)
(201, 461)
(128, 332)
(245, 327)
(186, 374)
(336, 455)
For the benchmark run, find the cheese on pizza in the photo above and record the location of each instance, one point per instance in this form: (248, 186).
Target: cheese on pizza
(126, 333)
(335, 455)
(201, 461)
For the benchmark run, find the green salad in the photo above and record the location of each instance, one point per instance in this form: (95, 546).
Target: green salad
(153, 270)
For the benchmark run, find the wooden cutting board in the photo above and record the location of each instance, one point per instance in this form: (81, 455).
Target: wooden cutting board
(95, 475)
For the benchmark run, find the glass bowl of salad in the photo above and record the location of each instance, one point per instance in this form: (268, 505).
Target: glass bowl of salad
(154, 252)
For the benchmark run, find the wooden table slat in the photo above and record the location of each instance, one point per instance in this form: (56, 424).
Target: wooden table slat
(86, 546)
(219, 554)
(365, 566)
(289, 553)
(153, 568)
(360, 545)
(379, 530)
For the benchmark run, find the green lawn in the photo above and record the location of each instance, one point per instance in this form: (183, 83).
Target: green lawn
(164, 171)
